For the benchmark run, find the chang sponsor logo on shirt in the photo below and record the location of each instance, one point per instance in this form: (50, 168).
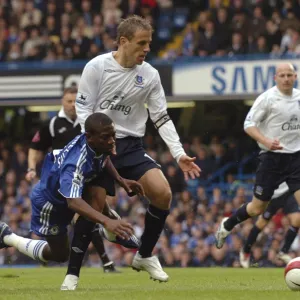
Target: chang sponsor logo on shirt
(293, 124)
(114, 104)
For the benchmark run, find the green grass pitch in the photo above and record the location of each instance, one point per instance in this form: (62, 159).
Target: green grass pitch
(184, 284)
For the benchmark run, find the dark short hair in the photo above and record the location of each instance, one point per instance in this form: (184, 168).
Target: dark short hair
(70, 90)
(128, 27)
(96, 120)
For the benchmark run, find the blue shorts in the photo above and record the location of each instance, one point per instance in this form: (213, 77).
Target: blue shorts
(131, 161)
(287, 202)
(48, 219)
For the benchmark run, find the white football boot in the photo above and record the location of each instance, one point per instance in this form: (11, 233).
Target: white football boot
(151, 265)
(244, 259)
(70, 283)
(221, 234)
(284, 257)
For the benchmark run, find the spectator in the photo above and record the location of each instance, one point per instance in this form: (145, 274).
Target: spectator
(31, 16)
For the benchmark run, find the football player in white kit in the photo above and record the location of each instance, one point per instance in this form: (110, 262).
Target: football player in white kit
(120, 84)
(281, 199)
(274, 122)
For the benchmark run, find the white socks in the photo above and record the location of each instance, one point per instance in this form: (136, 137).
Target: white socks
(31, 248)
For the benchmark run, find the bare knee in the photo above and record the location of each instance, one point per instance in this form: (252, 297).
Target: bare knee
(256, 208)
(163, 199)
(157, 188)
(261, 223)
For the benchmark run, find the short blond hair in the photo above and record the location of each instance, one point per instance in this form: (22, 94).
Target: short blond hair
(128, 27)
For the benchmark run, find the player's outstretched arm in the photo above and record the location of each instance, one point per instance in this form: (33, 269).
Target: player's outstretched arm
(118, 227)
(157, 105)
(188, 167)
(129, 185)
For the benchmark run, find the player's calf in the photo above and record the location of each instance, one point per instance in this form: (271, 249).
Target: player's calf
(31, 248)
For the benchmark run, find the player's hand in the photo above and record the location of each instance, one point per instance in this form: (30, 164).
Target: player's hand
(113, 150)
(30, 175)
(131, 186)
(272, 144)
(188, 167)
(120, 228)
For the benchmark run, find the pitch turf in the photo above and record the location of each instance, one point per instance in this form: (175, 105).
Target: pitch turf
(184, 284)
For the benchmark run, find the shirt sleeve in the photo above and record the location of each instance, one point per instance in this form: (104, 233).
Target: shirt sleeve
(42, 139)
(71, 182)
(157, 105)
(257, 113)
(87, 94)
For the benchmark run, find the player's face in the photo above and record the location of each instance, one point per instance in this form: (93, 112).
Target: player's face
(138, 47)
(103, 141)
(68, 102)
(285, 79)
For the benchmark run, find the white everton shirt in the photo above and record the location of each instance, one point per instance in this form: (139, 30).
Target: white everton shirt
(277, 116)
(121, 93)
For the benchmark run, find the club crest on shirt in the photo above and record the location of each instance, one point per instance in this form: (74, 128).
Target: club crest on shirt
(259, 190)
(139, 81)
(54, 230)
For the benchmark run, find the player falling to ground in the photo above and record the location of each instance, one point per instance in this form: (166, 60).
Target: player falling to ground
(119, 84)
(55, 134)
(274, 122)
(282, 198)
(58, 195)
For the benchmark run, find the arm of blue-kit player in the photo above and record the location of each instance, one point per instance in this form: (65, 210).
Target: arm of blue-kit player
(129, 185)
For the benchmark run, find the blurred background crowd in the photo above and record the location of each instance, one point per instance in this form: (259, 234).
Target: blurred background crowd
(38, 30)
(51, 30)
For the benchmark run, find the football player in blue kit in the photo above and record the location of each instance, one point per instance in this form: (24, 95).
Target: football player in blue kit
(59, 194)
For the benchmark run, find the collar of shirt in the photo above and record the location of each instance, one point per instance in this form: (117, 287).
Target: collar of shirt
(117, 65)
(288, 97)
(92, 153)
(62, 114)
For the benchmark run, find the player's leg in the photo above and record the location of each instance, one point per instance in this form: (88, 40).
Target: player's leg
(55, 248)
(268, 178)
(82, 237)
(97, 196)
(47, 220)
(97, 240)
(289, 237)
(260, 224)
(246, 211)
(158, 191)
(273, 206)
(291, 209)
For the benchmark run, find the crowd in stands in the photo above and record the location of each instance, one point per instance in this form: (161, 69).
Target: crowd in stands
(188, 238)
(239, 27)
(51, 30)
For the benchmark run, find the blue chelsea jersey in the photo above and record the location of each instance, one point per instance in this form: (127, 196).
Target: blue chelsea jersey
(65, 171)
